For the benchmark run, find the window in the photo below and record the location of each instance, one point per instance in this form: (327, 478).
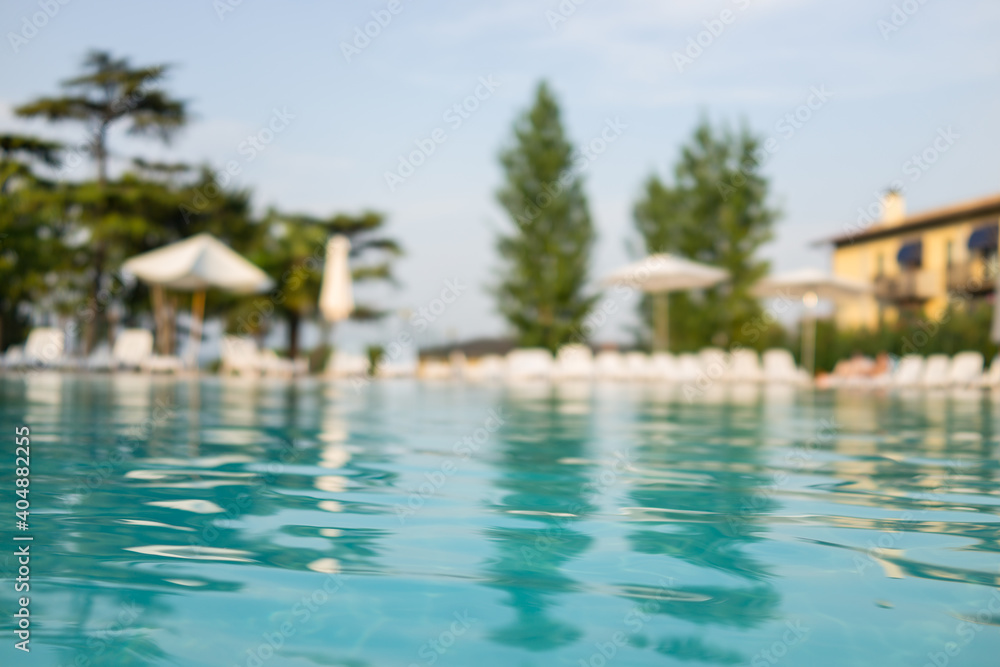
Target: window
(911, 255)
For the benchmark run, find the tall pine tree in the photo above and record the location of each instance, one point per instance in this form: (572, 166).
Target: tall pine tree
(545, 257)
(110, 92)
(715, 211)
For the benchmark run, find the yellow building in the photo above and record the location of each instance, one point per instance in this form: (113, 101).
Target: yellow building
(918, 262)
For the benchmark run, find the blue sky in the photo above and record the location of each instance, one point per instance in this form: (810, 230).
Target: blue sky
(891, 93)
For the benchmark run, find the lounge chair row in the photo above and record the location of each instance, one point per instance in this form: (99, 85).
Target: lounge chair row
(133, 350)
(241, 356)
(577, 362)
(46, 348)
(965, 369)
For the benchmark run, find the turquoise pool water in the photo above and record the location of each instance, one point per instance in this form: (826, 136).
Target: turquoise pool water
(227, 523)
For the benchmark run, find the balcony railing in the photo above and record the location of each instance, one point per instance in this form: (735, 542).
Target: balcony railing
(973, 277)
(912, 285)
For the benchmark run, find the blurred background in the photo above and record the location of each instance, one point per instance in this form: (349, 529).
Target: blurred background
(389, 120)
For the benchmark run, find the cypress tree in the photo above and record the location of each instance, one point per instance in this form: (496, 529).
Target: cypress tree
(545, 256)
(715, 211)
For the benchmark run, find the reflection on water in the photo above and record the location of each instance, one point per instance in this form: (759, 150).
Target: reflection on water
(231, 522)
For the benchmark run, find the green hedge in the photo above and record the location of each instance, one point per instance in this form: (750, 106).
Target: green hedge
(962, 327)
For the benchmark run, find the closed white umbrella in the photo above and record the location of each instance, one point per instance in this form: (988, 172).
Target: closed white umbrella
(336, 300)
(195, 265)
(662, 274)
(810, 285)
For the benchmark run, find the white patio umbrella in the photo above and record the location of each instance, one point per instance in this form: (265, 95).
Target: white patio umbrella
(810, 285)
(197, 264)
(336, 300)
(661, 274)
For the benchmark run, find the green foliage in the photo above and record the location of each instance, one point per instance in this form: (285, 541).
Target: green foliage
(964, 326)
(110, 91)
(375, 355)
(32, 233)
(545, 257)
(294, 248)
(61, 243)
(714, 211)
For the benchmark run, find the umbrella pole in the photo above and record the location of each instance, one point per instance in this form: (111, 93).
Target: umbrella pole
(809, 343)
(159, 316)
(661, 322)
(198, 317)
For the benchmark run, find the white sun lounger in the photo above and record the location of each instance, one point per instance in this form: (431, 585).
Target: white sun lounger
(610, 365)
(966, 369)
(909, 371)
(44, 348)
(132, 347)
(688, 368)
(574, 362)
(488, 368)
(663, 367)
(14, 356)
(533, 363)
(239, 356)
(745, 366)
(637, 366)
(937, 369)
(779, 367)
(715, 363)
(344, 365)
(992, 377)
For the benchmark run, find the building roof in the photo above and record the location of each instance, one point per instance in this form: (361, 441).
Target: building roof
(969, 210)
(474, 348)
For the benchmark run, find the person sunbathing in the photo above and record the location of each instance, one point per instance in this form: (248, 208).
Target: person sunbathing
(858, 367)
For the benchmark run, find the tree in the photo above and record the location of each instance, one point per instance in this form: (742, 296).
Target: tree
(715, 211)
(293, 251)
(18, 151)
(109, 92)
(30, 229)
(545, 257)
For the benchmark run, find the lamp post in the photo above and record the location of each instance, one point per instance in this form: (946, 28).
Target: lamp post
(809, 300)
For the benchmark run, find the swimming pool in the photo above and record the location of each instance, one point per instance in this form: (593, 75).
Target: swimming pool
(226, 522)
